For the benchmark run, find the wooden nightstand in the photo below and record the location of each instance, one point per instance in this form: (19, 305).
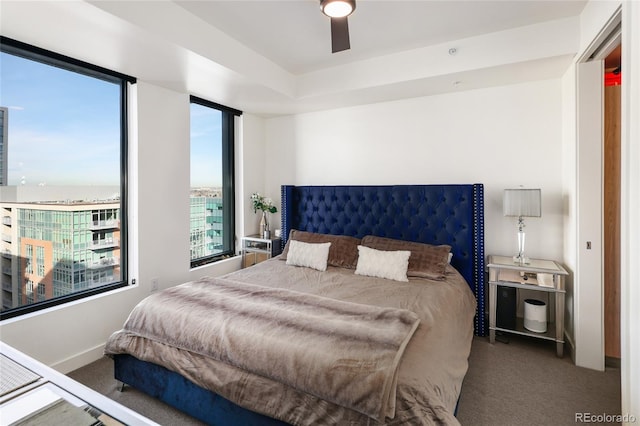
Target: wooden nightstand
(537, 275)
(256, 249)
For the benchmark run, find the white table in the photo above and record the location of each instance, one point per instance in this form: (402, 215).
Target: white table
(33, 393)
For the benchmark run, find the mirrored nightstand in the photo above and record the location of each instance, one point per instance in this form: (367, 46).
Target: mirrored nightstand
(538, 275)
(256, 249)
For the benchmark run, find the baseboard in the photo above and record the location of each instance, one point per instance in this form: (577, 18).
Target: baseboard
(79, 360)
(611, 362)
(569, 347)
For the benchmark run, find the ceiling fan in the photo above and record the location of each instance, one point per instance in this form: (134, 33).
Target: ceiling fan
(338, 11)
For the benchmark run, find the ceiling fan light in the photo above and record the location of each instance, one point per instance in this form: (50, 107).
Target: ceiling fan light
(337, 8)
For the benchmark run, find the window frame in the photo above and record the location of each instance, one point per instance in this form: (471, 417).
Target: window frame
(47, 57)
(228, 181)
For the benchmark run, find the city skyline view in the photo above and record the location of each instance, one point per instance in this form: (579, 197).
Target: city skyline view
(63, 225)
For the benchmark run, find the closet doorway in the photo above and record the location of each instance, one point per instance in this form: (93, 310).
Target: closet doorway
(596, 296)
(611, 208)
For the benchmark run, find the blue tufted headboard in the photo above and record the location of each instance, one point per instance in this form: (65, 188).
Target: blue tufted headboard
(434, 214)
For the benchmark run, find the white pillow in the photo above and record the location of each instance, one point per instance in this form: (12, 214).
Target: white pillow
(383, 264)
(308, 255)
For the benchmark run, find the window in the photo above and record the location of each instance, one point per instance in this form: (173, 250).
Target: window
(212, 210)
(63, 155)
(40, 261)
(41, 293)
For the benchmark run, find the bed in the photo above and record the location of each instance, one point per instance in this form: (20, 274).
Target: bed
(425, 334)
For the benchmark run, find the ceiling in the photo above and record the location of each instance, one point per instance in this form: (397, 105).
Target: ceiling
(296, 35)
(274, 57)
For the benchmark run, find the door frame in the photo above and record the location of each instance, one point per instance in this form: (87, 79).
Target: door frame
(630, 206)
(588, 286)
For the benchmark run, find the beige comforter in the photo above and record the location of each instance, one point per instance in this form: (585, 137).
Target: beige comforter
(428, 378)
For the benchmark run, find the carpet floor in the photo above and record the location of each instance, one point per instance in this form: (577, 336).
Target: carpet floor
(517, 383)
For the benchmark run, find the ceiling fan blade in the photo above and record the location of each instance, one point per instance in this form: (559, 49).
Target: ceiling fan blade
(339, 35)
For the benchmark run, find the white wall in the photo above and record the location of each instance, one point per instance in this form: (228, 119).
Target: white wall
(253, 168)
(502, 137)
(569, 196)
(164, 183)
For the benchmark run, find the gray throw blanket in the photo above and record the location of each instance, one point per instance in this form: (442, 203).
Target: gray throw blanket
(343, 352)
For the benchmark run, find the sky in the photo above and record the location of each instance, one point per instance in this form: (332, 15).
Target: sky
(64, 128)
(206, 146)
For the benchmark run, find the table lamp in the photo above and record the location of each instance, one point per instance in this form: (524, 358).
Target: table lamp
(521, 203)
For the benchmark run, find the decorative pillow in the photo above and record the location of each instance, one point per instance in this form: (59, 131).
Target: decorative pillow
(383, 264)
(308, 255)
(426, 261)
(343, 252)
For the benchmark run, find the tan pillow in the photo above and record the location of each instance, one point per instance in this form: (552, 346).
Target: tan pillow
(426, 261)
(342, 253)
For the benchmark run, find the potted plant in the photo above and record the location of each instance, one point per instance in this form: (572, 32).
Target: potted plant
(265, 205)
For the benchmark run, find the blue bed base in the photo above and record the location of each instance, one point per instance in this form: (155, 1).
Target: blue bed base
(175, 390)
(435, 214)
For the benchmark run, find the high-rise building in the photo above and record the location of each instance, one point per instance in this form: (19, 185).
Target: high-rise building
(205, 226)
(55, 249)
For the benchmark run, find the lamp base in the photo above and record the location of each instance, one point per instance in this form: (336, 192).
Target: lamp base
(521, 260)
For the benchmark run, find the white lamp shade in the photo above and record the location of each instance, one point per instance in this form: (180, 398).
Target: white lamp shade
(522, 202)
